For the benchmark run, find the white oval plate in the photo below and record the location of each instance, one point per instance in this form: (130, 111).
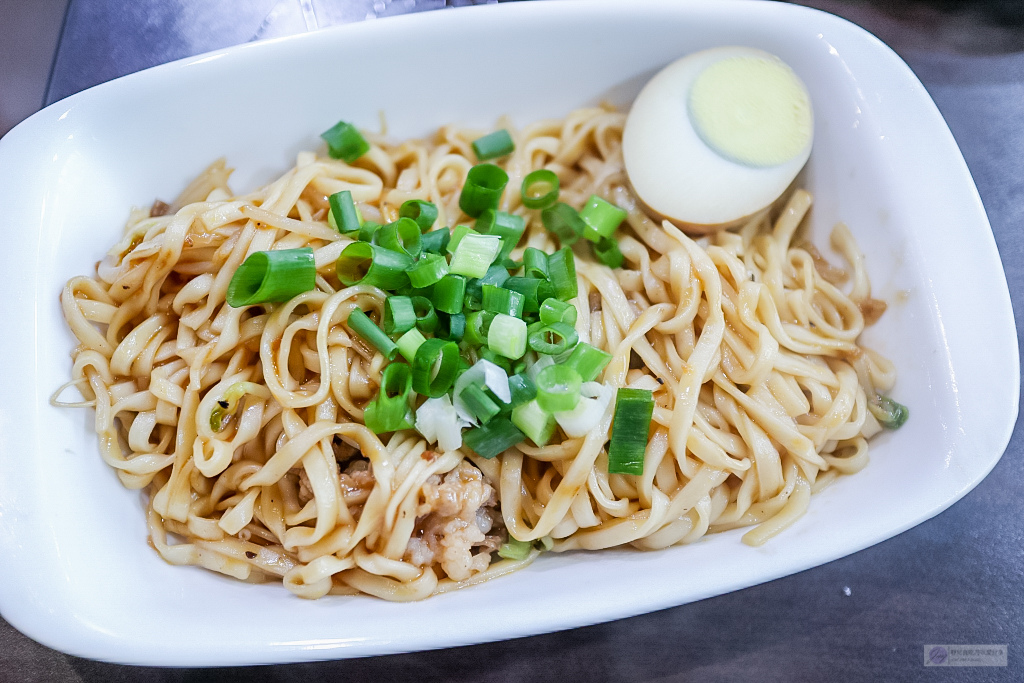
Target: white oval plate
(77, 572)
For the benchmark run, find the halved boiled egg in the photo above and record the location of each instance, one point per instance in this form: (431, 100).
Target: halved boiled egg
(717, 136)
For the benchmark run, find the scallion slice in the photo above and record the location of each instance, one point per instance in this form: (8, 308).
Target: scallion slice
(562, 220)
(600, 218)
(534, 422)
(482, 190)
(587, 361)
(507, 226)
(607, 252)
(633, 411)
(402, 236)
(555, 311)
(889, 413)
(423, 212)
(451, 326)
(562, 274)
(344, 212)
(478, 324)
(479, 403)
(399, 315)
(449, 293)
(409, 343)
(493, 145)
(493, 438)
(522, 389)
(507, 336)
(458, 233)
(430, 269)
(368, 230)
(553, 339)
(501, 300)
(345, 142)
(475, 254)
(515, 550)
(533, 290)
(558, 388)
(362, 263)
(271, 276)
(436, 241)
(535, 263)
(540, 189)
(434, 367)
(361, 324)
(426, 318)
(390, 411)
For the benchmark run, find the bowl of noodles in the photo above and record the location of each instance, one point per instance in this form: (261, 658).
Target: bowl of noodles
(346, 394)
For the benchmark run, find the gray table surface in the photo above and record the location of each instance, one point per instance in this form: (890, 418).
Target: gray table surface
(958, 578)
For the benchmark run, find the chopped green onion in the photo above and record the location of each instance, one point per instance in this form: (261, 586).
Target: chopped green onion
(558, 388)
(426, 318)
(488, 376)
(437, 420)
(486, 354)
(889, 413)
(540, 189)
(515, 550)
(434, 367)
(428, 270)
(507, 226)
(495, 437)
(362, 263)
(270, 276)
(409, 342)
(562, 274)
(562, 220)
(402, 236)
(436, 241)
(522, 389)
(458, 233)
(399, 314)
(451, 326)
(507, 336)
(607, 252)
(368, 231)
(532, 289)
(345, 142)
(423, 212)
(478, 324)
(228, 403)
(479, 403)
(496, 275)
(633, 411)
(535, 263)
(587, 361)
(501, 300)
(534, 422)
(555, 311)
(587, 414)
(474, 255)
(361, 324)
(553, 339)
(600, 218)
(482, 190)
(494, 145)
(449, 293)
(344, 212)
(390, 411)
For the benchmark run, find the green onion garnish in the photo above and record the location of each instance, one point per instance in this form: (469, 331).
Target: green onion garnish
(600, 218)
(479, 403)
(553, 339)
(533, 290)
(534, 422)
(483, 188)
(889, 413)
(535, 263)
(540, 189)
(402, 236)
(390, 411)
(607, 252)
(494, 145)
(587, 361)
(344, 212)
(562, 220)
(522, 389)
(423, 212)
(270, 276)
(361, 324)
(458, 233)
(345, 142)
(501, 300)
(449, 293)
(558, 388)
(562, 274)
(507, 226)
(434, 367)
(474, 255)
(409, 343)
(478, 324)
(428, 270)
(399, 315)
(368, 230)
(426, 318)
(555, 311)
(362, 263)
(451, 326)
(436, 241)
(633, 411)
(507, 336)
(493, 438)
(515, 550)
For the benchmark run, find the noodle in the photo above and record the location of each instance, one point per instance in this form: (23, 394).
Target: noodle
(750, 348)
